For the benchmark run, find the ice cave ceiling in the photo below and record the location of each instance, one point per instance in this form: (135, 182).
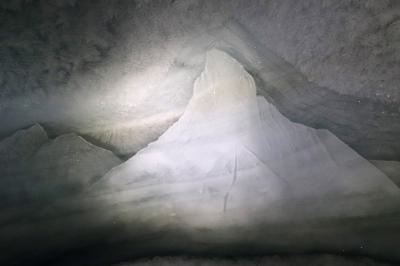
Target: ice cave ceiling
(229, 127)
(110, 70)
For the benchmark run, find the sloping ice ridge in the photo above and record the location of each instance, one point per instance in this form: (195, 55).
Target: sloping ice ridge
(233, 155)
(390, 168)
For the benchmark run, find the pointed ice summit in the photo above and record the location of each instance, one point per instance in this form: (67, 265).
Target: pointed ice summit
(232, 154)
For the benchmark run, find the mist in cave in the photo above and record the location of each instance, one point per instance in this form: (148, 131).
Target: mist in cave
(195, 132)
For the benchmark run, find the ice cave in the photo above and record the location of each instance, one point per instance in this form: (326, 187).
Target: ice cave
(200, 132)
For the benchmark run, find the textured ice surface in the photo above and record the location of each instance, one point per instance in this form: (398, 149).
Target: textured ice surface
(232, 154)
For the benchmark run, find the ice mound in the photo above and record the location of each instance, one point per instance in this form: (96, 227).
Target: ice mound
(22, 145)
(33, 167)
(232, 154)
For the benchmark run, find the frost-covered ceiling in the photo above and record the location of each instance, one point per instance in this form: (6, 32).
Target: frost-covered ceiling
(121, 72)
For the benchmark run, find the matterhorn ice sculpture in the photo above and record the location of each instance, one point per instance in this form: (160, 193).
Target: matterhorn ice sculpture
(233, 155)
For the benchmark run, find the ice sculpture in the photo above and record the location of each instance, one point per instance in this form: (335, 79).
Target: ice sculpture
(232, 154)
